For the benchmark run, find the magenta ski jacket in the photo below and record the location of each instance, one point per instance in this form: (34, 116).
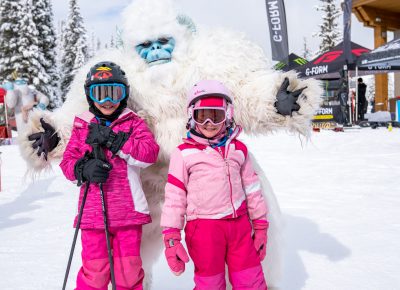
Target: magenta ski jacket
(125, 199)
(211, 183)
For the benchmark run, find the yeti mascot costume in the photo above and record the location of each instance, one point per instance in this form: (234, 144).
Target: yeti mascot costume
(164, 55)
(23, 98)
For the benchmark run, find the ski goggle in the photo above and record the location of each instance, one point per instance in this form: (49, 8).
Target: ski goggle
(101, 93)
(204, 115)
(20, 82)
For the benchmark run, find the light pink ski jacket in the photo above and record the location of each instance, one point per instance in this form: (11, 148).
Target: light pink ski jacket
(208, 183)
(125, 199)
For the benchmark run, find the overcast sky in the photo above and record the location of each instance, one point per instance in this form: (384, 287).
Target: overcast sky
(249, 16)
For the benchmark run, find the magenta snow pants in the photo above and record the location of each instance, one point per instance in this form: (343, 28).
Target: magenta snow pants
(212, 243)
(95, 271)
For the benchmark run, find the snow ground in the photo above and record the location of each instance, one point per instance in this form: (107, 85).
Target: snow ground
(339, 195)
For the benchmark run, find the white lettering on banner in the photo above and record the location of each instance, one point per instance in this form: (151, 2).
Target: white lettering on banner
(379, 67)
(316, 70)
(325, 111)
(275, 20)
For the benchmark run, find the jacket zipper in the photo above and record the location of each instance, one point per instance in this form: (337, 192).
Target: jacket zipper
(229, 178)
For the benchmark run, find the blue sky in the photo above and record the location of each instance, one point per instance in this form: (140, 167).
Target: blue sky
(249, 16)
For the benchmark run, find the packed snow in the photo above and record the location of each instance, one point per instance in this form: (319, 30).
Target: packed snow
(339, 194)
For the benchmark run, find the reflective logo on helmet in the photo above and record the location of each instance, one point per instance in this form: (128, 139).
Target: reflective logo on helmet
(199, 92)
(102, 75)
(104, 68)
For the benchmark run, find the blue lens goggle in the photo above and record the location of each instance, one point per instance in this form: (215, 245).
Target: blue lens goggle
(101, 93)
(20, 82)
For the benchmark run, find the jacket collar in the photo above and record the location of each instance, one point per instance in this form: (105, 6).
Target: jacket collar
(235, 133)
(89, 116)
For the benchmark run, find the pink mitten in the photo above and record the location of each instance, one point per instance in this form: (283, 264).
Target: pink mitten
(260, 237)
(174, 251)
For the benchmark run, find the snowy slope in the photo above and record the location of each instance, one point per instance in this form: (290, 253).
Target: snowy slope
(339, 195)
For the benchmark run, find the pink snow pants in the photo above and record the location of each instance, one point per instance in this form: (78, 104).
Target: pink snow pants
(95, 271)
(212, 243)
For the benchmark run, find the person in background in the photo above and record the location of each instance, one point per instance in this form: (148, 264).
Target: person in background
(362, 100)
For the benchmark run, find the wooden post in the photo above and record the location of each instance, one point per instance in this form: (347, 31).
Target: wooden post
(381, 80)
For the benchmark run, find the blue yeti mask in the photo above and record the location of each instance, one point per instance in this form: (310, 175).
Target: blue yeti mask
(156, 51)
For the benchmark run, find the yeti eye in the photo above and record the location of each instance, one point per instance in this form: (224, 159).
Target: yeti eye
(163, 40)
(145, 44)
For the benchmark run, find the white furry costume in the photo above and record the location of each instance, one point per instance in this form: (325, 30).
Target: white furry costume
(158, 94)
(22, 98)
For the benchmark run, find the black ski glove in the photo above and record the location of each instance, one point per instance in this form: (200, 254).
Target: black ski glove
(106, 137)
(45, 141)
(92, 170)
(286, 101)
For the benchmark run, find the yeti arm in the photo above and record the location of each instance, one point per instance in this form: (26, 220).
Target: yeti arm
(61, 125)
(255, 103)
(61, 120)
(242, 66)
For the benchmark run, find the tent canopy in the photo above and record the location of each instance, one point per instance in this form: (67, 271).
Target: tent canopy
(329, 64)
(386, 57)
(291, 62)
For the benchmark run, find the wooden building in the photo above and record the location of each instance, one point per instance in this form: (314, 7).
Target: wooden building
(382, 16)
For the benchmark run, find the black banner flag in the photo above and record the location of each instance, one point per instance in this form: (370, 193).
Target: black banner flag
(277, 29)
(347, 30)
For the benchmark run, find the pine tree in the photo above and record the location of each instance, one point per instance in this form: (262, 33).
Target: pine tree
(43, 18)
(112, 41)
(75, 50)
(30, 57)
(118, 39)
(306, 54)
(98, 44)
(329, 32)
(10, 11)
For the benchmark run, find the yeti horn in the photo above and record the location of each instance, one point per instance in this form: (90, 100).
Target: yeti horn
(187, 21)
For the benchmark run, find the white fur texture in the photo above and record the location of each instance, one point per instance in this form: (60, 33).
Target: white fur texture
(158, 94)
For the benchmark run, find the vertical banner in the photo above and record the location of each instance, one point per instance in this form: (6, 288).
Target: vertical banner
(347, 30)
(277, 29)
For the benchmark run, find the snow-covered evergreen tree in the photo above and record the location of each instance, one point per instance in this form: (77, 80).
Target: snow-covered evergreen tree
(80, 57)
(30, 64)
(306, 51)
(118, 39)
(10, 15)
(98, 44)
(92, 47)
(112, 45)
(43, 18)
(329, 32)
(75, 49)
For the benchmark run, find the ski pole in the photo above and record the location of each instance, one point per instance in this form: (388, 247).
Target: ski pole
(71, 253)
(99, 155)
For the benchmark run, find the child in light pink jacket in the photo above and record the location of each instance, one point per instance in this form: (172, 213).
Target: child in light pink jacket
(211, 182)
(128, 146)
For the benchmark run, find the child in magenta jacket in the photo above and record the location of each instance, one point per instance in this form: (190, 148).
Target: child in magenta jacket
(211, 182)
(128, 146)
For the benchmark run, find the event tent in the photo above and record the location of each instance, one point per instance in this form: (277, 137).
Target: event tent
(385, 57)
(291, 62)
(329, 65)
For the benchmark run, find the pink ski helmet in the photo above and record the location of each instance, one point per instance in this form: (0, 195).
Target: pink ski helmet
(209, 90)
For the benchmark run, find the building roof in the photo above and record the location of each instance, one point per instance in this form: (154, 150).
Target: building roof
(378, 13)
